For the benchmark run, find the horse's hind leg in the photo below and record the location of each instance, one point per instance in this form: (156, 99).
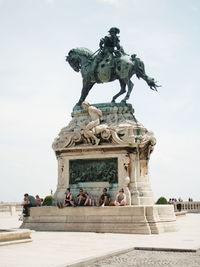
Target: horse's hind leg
(130, 87)
(122, 91)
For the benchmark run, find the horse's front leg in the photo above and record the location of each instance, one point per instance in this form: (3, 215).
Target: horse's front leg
(122, 91)
(130, 87)
(87, 86)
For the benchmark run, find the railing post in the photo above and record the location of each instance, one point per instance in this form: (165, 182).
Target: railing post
(13, 210)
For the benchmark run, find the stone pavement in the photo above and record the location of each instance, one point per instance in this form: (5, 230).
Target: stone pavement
(138, 258)
(69, 248)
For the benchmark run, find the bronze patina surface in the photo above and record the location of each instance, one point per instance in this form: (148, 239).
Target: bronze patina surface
(107, 64)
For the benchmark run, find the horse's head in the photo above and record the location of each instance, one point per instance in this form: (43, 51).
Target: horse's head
(73, 60)
(78, 57)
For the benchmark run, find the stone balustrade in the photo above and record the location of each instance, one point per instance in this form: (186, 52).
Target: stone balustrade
(189, 206)
(10, 209)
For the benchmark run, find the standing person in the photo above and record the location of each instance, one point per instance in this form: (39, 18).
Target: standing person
(69, 199)
(120, 198)
(81, 198)
(30, 202)
(104, 199)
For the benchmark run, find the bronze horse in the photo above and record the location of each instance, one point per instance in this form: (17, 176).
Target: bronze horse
(108, 70)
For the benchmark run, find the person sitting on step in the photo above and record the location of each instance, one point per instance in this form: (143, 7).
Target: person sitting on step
(120, 198)
(29, 201)
(69, 199)
(104, 199)
(81, 198)
(88, 201)
(38, 201)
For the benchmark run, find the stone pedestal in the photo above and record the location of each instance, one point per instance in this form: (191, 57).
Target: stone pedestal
(105, 146)
(121, 138)
(128, 174)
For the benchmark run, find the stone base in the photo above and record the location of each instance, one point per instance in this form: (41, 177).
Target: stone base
(112, 151)
(14, 236)
(153, 219)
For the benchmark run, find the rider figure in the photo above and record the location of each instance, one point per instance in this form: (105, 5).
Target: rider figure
(107, 47)
(109, 42)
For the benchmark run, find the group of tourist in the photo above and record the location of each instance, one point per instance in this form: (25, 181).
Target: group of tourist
(30, 201)
(83, 199)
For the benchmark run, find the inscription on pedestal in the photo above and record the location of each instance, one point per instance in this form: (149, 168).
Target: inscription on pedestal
(93, 170)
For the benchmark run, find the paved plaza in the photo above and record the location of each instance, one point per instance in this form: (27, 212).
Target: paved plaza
(59, 249)
(140, 258)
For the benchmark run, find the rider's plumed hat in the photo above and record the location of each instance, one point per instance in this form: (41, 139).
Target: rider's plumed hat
(114, 29)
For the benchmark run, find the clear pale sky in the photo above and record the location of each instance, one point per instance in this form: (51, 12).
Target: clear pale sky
(38, 89)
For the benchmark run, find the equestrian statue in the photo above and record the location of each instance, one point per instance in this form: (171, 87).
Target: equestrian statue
(107, 64)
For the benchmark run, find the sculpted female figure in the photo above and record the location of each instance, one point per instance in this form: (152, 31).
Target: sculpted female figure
(95, 115)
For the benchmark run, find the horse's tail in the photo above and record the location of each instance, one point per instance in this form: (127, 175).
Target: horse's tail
(139, 69)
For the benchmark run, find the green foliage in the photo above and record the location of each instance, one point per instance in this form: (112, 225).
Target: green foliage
(162, 201)
(48, 201)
